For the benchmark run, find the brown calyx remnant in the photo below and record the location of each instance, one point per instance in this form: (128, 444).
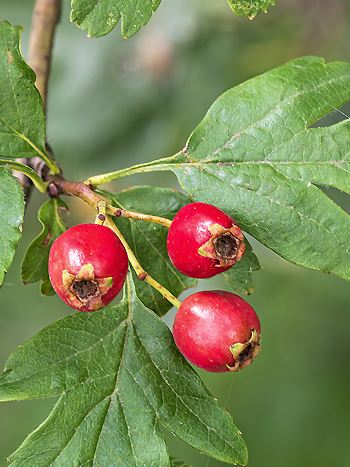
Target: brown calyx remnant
(84, 290)
(245, 353)
(226, 246)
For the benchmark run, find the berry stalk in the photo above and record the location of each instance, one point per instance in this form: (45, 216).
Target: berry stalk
(140, 272)
(119, 212)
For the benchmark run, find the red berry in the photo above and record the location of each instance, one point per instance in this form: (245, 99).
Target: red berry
(204, 241)
(217, 331)
(87, 266)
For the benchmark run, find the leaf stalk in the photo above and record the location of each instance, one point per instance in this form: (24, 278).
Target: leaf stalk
(153, 166)
(140, 272)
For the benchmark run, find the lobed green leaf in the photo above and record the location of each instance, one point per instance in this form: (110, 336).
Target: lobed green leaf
(256, 156)
(250, 8)
(148, 241)
(99, 17)
(35, 263)
(119, 376)
(11, 215)
(22, 123)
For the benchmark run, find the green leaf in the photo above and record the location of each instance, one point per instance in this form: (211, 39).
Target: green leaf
(11, 215)
(240, 276)
(34, 267)
(255, 156)
(22, 124)
(148, 241)
(99, 17)
(250, 8)
(119, 376)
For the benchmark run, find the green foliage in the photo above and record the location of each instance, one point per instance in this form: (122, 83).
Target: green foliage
(99, 17)
(177, 463)
(34, 267)
(11, 215)
(250, 8)
(255, 156)
(22, 125)
(119, 376)
(240, 277)
(148, 241)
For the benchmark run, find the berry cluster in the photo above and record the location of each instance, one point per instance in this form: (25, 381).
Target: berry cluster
(215, 330)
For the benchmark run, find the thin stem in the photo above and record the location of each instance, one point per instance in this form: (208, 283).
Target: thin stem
(77, 189)
(102, 179)
(27, 171)
(42, 155)
(119, 212)
(140, 272)
(46, 15)
(154, 166)
(101, 213)
(84, 192)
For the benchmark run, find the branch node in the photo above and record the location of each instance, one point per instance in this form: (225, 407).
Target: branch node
(142, 276)
(118, 212)
(54, 190)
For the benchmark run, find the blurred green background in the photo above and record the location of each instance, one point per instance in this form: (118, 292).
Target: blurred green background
(114, 103)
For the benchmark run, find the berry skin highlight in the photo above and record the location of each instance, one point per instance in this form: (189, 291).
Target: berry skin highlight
(217, 331)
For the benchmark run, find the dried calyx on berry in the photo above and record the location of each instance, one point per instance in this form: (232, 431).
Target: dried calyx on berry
(84, 289)
(245, 352)
(225, 246)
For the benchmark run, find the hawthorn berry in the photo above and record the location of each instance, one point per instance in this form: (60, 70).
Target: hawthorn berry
(204, 241)
(217, 331)
(87, 266)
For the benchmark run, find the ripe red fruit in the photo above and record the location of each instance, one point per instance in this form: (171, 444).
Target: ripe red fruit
(87, 266)
(204, 241)
(217, 331)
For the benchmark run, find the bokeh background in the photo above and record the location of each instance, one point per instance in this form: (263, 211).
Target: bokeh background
(115, 103)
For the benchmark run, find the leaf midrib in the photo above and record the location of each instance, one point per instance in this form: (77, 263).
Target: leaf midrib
(109, 396)
(173, 391)
(23, 137)
(115, 393)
